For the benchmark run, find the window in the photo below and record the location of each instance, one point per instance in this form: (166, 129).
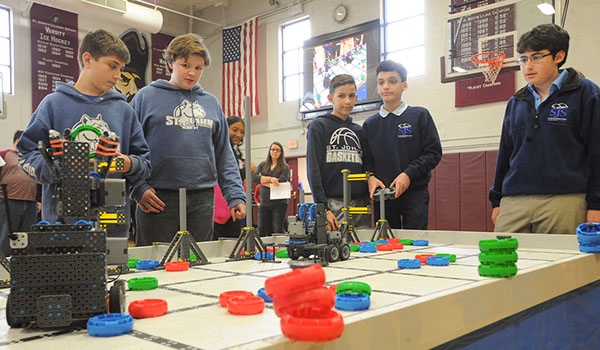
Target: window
(6, 49)
(293, 35)
(404, 34)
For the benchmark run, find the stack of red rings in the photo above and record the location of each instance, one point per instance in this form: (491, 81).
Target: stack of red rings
(241, 302)
(305, 305)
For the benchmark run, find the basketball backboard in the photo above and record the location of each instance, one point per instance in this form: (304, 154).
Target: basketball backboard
(488, 25)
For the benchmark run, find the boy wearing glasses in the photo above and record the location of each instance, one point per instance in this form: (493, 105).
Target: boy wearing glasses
(548, 169)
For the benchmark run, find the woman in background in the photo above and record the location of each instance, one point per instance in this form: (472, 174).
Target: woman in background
(271, 213)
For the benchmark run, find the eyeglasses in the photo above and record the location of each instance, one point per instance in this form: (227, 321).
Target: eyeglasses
(275, 150)
(535, 58)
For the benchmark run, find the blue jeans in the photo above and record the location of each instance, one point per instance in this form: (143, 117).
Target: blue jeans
(271, 219)
(409, 211)
(23, 214)
(162, 227)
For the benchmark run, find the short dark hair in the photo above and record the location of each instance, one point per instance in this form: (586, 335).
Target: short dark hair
(391, 66)
(545, 36)
(102, 43)
(234, 119)
(185, 45)
(340, 80)
(17, 135)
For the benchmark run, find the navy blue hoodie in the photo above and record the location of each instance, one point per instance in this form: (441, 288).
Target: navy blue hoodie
(68, 108)
(188, 137)
(406, 143)
(553, 151)
(333, 145)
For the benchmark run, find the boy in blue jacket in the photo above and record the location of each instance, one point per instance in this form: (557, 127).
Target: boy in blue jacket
(89, 101)
(548, 170)
(334, 144)
(188, 137)
(402, 146)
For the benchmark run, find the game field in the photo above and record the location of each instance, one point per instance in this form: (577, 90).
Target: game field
(419, 308)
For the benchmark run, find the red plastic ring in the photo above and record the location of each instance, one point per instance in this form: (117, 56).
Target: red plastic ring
(312, 324)
(394, 240)
(321, 297)
(397, 246)
(423, 257)
(296, 281)
(146, 308)
(225, 297)
(175, 266)
(246, 305)
(384, 247)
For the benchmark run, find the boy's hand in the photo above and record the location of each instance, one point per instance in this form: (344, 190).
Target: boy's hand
(495, 212)
(332, 223)
(238, 212)
(374, 183)
(150, 203)
(593, 215)
(401, 182)
(126, 161)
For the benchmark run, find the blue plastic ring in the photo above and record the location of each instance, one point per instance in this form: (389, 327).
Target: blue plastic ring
(420, 242)
(438, 261)
(409, 264)
(352, 302)
(302, 211)
(367, 248)
(595, 249)
(109, 325)
(146, 264)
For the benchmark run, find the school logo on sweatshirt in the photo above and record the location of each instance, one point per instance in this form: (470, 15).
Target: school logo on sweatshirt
(90, 136)
(190, 116)
(344, 147)
(404, 130)
(558, 112)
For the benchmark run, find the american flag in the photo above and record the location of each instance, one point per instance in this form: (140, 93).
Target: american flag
(239, 68)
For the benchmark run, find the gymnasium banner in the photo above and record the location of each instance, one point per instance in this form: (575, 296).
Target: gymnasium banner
(476, 91)
(159, 65)
(133, 77)
(54, 46)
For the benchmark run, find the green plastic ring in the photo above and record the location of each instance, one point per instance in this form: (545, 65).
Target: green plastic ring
(282, 253)
(452, 257)
(131, 263)
(488, 245)
(498, 258)
(142, 283)
(405, 241)
(497, 270)
(354, 248)
(353, 287)
(85, 127)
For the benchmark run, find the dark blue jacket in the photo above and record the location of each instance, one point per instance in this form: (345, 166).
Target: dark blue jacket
(407, 143)
(333, 145)
(555, 150)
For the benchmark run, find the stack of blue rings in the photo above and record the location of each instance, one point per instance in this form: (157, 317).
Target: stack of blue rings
(257, 256)
(588, 236)
(109, 325)
(367, 248)
(352, 302)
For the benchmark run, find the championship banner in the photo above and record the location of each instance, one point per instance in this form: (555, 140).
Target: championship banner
(54, 46)
(159, 65)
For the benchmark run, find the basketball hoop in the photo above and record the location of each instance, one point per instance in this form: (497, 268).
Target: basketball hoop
(490, 62)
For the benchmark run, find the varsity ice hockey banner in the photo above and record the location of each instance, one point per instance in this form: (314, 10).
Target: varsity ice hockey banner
(239, 68)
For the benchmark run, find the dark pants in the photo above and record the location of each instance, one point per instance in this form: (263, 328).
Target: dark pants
(23, 214)
(271, 218)
(409, 211)
(230, 229)
(162, 227)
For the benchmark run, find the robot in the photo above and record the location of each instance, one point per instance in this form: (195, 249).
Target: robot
(58, 271)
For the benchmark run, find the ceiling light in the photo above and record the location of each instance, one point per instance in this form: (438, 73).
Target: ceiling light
(546, 8)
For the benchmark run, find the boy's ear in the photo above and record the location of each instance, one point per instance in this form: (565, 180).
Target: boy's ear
(330, 98)
(559, 57)
(86, 58)
(405, 85)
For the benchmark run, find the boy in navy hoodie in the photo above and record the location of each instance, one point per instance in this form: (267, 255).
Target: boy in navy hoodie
(334, 144)
(548, 170)
(188, 137)
(89, 101)
(402, 146)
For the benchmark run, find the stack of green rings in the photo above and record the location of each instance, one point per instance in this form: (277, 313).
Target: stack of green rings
(131, 263)
(498, 257)
(142, 283)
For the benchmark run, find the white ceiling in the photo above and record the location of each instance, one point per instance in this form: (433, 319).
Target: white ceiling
(184, 5)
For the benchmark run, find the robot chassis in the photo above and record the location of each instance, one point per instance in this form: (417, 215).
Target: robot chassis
(58, 271)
